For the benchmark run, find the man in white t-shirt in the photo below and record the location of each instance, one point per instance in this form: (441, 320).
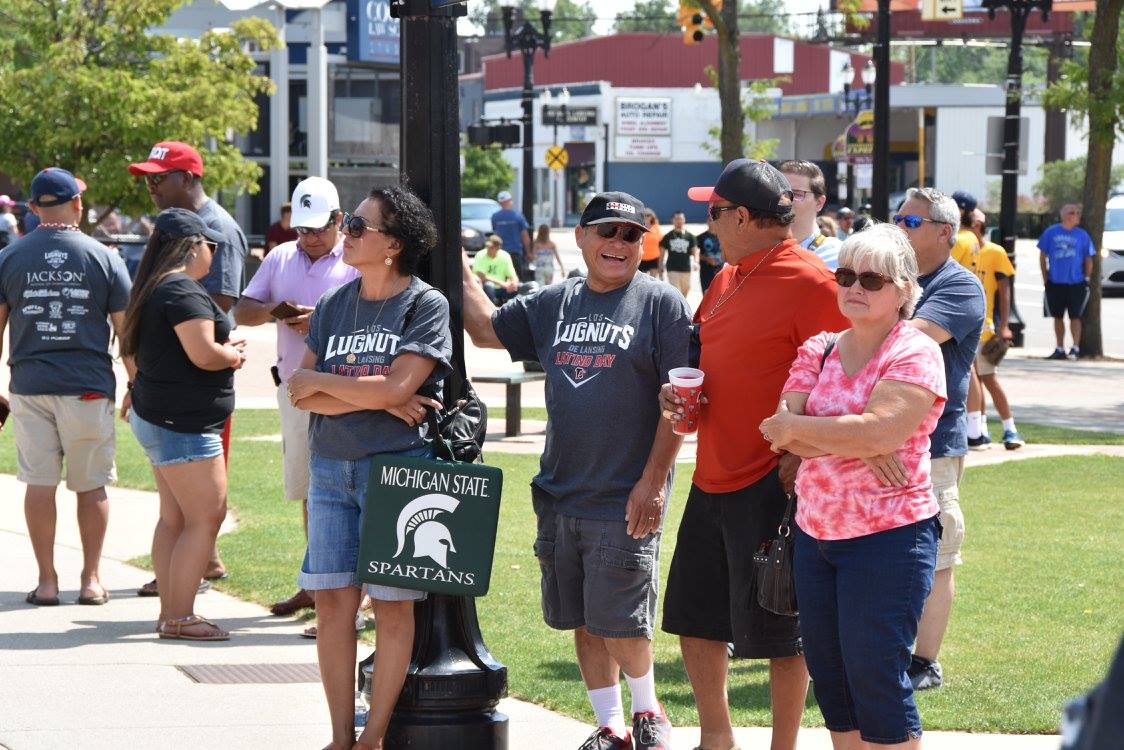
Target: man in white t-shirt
(297, 273)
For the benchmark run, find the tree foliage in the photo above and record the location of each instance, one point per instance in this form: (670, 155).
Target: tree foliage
(1063, 182)
(573, 19)
(953, 64)
(758, 105)
(89, 88)
(656, 16)
(485, 173)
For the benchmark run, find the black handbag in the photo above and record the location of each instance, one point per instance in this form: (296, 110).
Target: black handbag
(776, 589)
(458, 432)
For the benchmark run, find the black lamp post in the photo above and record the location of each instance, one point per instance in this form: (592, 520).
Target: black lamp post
(528, 39)
(856, 100)
(880, 186)
(453, 683)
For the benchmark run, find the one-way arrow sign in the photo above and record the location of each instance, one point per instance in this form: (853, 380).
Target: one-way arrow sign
(942, 10)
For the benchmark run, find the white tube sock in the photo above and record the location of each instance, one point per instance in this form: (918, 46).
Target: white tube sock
(643, 691)
(973, 424)
(1009, 424)
(983, 422)
(608, 708)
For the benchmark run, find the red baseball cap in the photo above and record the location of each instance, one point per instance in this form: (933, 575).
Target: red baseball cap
(170, 156)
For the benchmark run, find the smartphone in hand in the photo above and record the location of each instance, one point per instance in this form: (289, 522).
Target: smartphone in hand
(284, 310)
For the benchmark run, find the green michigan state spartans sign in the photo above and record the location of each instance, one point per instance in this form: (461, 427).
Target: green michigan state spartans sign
(430, 525)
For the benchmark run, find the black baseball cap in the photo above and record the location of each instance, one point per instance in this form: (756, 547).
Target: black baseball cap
(757, 185)
(614, 207)
(965, 201)
(176, 223)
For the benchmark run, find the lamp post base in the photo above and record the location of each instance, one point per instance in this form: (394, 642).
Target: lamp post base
(486, 731)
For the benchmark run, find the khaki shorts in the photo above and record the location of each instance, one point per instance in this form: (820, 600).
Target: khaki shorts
(294, 446)
(681, 280)
(983, 367)
(49, 429)
(947, 473)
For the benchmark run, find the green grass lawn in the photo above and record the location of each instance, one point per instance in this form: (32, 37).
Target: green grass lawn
(1039, 610)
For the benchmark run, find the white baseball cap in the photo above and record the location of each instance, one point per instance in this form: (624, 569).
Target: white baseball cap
(503, 196)
(314, 200)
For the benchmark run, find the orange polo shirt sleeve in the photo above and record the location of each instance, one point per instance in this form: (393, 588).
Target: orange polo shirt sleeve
(749, 341)
(650, 250)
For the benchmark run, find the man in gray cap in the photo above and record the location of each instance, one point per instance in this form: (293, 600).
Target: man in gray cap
(606, 344)
(773, 295)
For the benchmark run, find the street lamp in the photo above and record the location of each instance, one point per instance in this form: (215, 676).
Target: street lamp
(860, 99)
(528, 39)
(880, 184)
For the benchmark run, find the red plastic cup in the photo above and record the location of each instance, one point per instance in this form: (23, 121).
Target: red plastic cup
(686, 383)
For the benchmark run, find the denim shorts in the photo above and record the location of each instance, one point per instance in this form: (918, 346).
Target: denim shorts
(860, 600)
(166, 447)
(337, 496)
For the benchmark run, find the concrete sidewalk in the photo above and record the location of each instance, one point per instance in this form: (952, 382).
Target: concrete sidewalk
(98, 677)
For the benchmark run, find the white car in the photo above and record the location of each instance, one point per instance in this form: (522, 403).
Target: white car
(1112, 251)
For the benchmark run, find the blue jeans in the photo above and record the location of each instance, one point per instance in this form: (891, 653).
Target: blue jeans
(166, 447)
(860, 600)
(337, 497)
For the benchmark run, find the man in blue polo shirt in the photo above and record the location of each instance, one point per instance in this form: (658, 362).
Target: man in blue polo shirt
(1066, 261)
(513, 229)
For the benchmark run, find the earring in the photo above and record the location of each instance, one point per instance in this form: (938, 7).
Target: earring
(389, 261)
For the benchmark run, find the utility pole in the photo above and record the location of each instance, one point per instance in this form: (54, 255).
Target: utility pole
(880, 187)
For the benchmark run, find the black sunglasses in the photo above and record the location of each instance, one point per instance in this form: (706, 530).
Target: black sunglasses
(912, 221)
(354, 226)
(868, 280)
(628, 233)
(152, 180)
(716, 211)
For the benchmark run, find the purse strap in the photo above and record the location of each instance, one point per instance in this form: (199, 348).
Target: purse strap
(831, 339)
(785, 529)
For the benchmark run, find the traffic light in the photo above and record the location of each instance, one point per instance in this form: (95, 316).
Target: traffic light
(694, 21)
(691, 21)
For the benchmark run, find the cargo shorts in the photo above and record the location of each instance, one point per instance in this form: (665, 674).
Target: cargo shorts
(594, 575)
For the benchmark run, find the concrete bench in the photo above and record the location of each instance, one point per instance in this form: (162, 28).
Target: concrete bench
(514, 382)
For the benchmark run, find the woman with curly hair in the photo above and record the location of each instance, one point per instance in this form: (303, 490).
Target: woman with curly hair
(373, 343)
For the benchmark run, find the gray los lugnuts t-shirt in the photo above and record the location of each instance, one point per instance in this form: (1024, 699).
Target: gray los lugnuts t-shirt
(356, 338)
(605, 357)
(60, 285)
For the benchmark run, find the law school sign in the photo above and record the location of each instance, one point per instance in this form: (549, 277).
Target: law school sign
(430, 525)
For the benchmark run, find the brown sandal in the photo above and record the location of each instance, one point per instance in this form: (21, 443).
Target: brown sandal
(218, 634)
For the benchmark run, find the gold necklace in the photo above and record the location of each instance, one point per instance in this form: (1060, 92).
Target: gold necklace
(350, 358)
(729, 295)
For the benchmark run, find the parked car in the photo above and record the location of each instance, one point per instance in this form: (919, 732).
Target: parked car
(1112, 250)
(476, 222)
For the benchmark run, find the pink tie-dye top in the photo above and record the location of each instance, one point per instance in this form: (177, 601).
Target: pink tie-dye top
(840, 498)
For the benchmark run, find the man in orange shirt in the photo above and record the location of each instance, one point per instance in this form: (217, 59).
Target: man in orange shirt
(760, 308)
(650, 249)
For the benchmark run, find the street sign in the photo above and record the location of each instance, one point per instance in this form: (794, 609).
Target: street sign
(561, 114)
(557, 157)
(948, 10)
(444, 3)
(993, 164)
(430, 525)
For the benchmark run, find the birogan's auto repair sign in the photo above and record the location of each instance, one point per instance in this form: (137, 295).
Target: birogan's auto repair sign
(643, 116)
(430, 525)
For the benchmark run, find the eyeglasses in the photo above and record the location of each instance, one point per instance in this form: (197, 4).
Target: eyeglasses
(354, 226)
(305, 231)
(716, 211)
(152, 180)
(801, 195)
(912, 221)
(627, 233)
(868, 280)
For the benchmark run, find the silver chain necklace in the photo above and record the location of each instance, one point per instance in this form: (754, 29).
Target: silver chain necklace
(729, 295)
(350, 358)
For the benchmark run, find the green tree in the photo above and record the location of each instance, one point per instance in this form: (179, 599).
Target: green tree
(573, 19)
(485, 173)
(657, 16)
(1063, 182)
(89, 88)
(1094, 88)
(757, 106)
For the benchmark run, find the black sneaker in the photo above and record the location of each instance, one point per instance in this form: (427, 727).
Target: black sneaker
(651, 731)
(979, 443)
(1059, 353)
(924, 674)
(604, 739)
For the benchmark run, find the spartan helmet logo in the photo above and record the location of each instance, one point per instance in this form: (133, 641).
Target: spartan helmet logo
(306, 201)
(432, 538)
